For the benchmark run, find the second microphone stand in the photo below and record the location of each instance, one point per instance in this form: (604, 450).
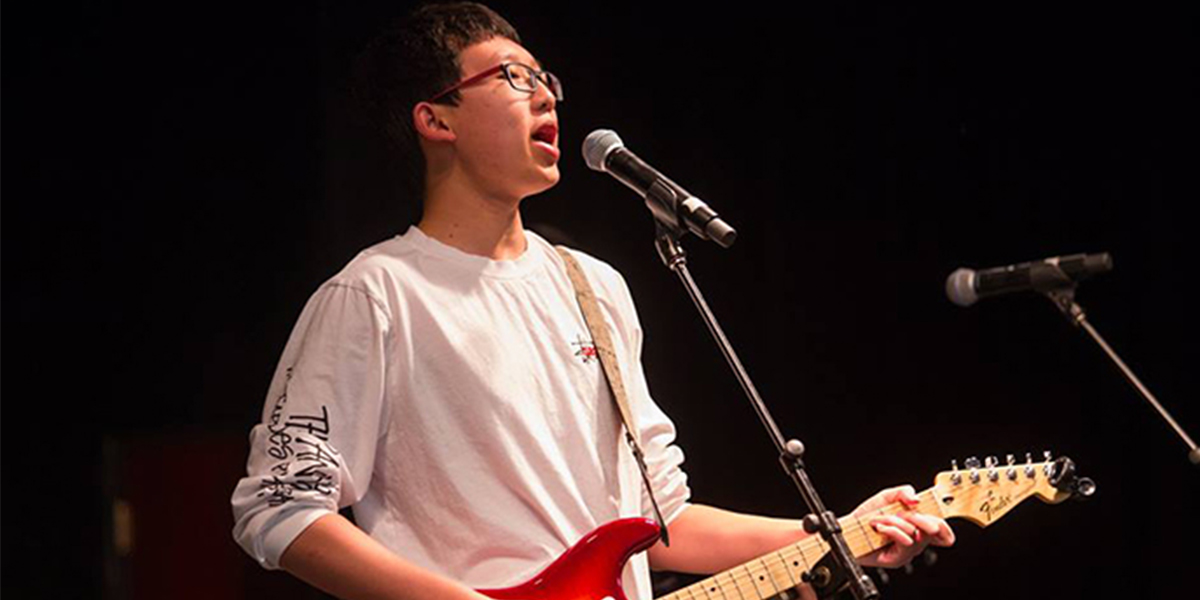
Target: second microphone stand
(1064, 299)
(791, 452)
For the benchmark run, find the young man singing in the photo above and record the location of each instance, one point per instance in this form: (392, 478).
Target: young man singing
(442, 382)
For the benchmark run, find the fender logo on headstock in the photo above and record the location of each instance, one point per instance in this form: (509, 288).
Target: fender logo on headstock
(995, 505)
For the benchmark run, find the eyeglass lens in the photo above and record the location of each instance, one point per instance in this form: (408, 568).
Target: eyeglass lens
(526, 79)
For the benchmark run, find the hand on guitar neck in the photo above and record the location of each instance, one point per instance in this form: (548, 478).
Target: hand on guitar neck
(908, 526)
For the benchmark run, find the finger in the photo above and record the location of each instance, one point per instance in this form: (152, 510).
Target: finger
(900, 522)
(945, 536)
(934, 530)
(896, 533)
(901, 493)
(925, 523)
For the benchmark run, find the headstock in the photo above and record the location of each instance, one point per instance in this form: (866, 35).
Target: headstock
(982, 493)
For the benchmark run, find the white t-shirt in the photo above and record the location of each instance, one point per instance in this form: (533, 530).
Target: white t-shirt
(457, 403)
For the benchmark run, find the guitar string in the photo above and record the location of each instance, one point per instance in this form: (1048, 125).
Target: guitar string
(767, 574)
(856, 535)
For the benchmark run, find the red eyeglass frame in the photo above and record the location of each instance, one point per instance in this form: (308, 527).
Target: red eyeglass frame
(555, 90)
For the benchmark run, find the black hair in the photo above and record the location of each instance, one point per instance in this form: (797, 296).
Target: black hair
(414, 59)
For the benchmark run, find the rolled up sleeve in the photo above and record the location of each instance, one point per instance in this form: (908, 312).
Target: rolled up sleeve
(325, 413)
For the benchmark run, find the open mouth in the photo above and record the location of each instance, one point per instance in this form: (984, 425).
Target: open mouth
(546, 134)
(544, 138)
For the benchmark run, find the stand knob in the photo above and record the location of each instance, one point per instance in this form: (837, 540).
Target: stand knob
(1084, 488)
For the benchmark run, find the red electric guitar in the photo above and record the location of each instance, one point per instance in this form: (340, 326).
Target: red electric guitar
(591, 569)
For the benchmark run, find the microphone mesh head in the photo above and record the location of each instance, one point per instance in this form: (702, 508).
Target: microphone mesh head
(597, 145)
(960, 287)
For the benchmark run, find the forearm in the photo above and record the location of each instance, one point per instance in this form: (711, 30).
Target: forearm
(334, 555)
(705, 540)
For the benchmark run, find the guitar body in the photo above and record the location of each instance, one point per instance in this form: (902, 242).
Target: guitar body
(591, 569)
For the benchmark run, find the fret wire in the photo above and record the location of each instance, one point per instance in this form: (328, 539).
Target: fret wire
(763, 575)
(813, 545)
(757, 591)
(716, 585)
(794, 554)
(709, 585)
(786, 570)
(770, 575)
(734, 580)
(863, 530)
(814, 548)
(736, 586)
(738, 580)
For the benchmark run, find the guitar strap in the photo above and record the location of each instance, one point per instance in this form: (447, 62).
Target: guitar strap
(612, 371)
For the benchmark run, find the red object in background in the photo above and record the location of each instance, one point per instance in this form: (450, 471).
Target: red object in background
(169, 524)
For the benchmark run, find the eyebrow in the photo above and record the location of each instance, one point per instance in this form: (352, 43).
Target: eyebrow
(513, 57)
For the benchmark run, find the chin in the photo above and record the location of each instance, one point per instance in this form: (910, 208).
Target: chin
(549, 178)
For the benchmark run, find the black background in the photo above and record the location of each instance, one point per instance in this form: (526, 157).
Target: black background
(180, 177)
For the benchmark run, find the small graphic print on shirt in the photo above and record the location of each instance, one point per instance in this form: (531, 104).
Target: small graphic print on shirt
(305, 466)
(585, 349)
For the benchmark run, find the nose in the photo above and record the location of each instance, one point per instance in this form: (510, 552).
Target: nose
(543, 98)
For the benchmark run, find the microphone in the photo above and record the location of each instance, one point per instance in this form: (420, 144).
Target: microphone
(672, 205)
(965, 286)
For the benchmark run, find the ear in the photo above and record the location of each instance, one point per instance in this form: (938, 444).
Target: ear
(430, 124)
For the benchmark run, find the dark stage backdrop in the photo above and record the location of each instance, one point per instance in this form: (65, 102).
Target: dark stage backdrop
(180, 177)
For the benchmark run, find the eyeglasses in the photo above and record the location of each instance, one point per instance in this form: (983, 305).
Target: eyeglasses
(522, 78)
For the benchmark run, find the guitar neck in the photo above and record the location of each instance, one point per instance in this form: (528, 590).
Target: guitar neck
(773, 573)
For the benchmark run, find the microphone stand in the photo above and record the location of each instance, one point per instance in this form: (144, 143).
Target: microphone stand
(791, 452)
(1064, 299)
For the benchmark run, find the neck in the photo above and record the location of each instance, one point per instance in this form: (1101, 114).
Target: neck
(472, 222)
(768, 576)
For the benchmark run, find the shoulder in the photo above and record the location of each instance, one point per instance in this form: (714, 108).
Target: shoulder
(376, 272)
(372, 277)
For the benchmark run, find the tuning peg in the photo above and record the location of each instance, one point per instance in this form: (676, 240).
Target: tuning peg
(955, 476)
(1049, 468)
(1029, 471)
(1011, 472)
(991, 463)
(972, 463)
